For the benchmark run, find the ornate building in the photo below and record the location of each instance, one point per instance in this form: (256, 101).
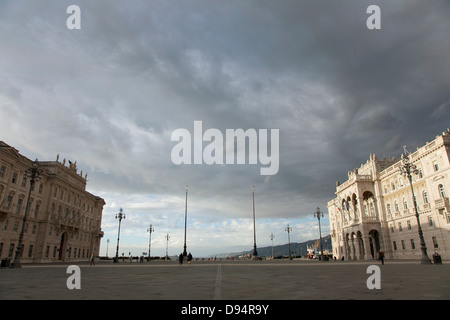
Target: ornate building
(374, 208)
(63, 221)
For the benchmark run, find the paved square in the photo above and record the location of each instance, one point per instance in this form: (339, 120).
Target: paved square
(229, 280)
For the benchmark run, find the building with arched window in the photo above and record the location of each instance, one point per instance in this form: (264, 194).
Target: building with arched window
(374, 210)
(63, 220)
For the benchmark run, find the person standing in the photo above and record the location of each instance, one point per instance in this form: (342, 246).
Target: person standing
(381, 256)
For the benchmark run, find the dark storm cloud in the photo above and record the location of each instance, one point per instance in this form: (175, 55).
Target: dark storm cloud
(111, 93)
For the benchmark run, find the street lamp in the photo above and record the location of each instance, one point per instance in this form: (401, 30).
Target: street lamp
(150, 229)
(34, 173)
(289, 229)
(107, 246)
(185, 224)
(317, 214)
(407, 169)
(271, 238)
(167, 246)
(119, 216)
(255, 253)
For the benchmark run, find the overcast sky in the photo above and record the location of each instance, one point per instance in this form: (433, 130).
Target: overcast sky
(110, 95)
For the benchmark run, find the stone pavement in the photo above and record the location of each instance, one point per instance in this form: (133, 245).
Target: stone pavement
(228, 280)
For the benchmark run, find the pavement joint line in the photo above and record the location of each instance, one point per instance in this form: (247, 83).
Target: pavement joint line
(217, 294)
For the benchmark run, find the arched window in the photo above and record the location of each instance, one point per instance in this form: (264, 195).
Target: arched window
(372, 210)
(405, 204)
(441, 191)
(425, 196)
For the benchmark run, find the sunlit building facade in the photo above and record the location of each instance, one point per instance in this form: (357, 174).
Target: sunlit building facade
(63, 221)
(373, 210)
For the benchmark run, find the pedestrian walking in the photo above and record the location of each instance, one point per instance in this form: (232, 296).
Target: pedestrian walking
(189, 258)
(381, 256)
(180, 259)
(92, 260)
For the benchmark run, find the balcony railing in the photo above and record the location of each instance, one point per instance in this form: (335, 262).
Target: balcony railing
(442, 203)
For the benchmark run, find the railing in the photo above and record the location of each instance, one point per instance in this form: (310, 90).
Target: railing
(442, 203)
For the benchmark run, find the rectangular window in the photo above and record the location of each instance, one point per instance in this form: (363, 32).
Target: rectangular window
(413, 246)
(9, 201)
(400, 226)
(395, 245)
(403, 245)
(36, 210)
(11, 250)
(409, 224)
(2, 171)
(14, 177)
(430, 221)
(30, 251)
(435, 166)
(19, 205)
(435, 243)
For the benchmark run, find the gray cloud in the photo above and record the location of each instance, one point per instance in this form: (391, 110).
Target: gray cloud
(110, 95)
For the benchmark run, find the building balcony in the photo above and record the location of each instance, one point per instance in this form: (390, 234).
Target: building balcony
(69, 223)
(4, 210)
(371, 219)
(442, 203)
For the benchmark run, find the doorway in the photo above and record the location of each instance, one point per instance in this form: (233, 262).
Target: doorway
(63, 246)
(374, 240)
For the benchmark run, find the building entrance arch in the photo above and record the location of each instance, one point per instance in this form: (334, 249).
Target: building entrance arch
(63, 246)
(374, 241)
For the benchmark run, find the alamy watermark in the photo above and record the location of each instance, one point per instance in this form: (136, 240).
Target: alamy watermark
(374, 281)
(73, 22)
(232, 150)
(74, 280)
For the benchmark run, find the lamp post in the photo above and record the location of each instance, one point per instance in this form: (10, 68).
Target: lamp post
(34, 173)
(119, 216)
(107, 246)
(167, 246)
(271, 238)
(185, 225)
(289, 229)
(317, 214)
(407, 169)
(150, 229)
(255, 253)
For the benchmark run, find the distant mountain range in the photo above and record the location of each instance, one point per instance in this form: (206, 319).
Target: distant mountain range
(297, 249)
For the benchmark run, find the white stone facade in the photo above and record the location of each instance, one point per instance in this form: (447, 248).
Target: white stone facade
(374, 208)
(63, 221)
